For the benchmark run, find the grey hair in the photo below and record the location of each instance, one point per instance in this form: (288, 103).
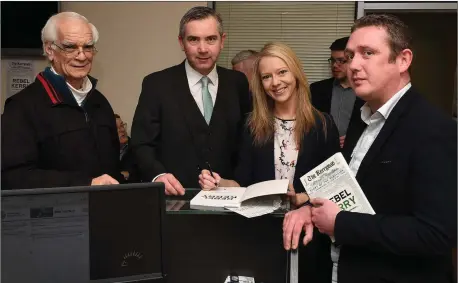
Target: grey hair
(49, 31)
(243, 55)
(200, 13)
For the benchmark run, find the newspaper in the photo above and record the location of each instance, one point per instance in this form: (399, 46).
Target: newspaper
(334, 180)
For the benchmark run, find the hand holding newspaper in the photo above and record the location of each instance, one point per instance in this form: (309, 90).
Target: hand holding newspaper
(334, 180)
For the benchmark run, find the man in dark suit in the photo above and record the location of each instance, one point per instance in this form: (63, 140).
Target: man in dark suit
(403, 154)
(191, 115)
(334, 95)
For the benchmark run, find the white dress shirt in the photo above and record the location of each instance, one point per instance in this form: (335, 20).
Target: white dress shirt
(375, 124)
(195, 85)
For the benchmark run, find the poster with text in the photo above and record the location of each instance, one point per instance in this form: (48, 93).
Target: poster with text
(20, 74)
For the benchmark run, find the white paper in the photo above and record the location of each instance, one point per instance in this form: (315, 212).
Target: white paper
(258, 206)
(20, 73)
(32, 225)
(272, 187)
(242, 279)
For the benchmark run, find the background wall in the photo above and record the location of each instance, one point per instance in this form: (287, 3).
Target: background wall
(136, 38)
(433, 71)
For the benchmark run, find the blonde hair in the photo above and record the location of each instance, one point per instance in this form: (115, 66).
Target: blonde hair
(261, 121)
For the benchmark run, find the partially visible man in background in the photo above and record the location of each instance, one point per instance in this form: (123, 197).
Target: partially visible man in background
(61, 131)
(243, 62)
(126, 157)
(334, 95)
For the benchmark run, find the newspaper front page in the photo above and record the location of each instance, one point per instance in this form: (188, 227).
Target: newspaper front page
(334, 180)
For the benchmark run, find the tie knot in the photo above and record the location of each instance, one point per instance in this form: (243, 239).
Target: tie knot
(204, 81)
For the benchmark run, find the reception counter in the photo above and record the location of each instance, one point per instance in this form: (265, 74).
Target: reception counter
(207, 246)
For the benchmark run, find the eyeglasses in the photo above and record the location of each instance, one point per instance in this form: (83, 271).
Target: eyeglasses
(73, 50)
(339, 61)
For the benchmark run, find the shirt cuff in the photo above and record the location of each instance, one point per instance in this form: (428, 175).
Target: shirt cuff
(154, 180)
(307, 203)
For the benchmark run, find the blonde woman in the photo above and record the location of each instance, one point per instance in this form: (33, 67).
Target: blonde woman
(285, 135)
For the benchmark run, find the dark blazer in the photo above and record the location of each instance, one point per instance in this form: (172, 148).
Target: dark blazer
(128, 163)
(409, 177)
(322, 95)
(170, 135)
(256, 164)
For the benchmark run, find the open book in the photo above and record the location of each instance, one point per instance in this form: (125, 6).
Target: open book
(232, 197)
(334, 180)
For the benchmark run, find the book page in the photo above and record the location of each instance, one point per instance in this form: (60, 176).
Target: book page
(258, 206)
(272, 187)
(334, 180)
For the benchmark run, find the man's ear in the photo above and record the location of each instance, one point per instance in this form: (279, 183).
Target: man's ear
(223, 38)
(180, 40)
(404, 60)
(49, 51)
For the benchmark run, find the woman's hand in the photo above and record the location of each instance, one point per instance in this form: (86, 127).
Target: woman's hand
(207, 182)
(296, 199)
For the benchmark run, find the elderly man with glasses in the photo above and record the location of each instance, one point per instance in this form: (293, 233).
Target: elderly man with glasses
(334, 95)
(60, 130)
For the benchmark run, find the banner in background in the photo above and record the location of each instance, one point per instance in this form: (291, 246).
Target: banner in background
(20, 73)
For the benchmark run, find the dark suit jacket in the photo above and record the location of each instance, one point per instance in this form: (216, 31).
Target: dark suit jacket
(322, 95)
(170, 135)
(256, 164)
(128, 163)
(409, 177)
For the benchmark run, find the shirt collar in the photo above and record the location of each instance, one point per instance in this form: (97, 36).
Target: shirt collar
(386, 108)
(336, 83)
(194, 77)
(86, 87)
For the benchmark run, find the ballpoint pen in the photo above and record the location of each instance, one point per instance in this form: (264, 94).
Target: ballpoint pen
(209, 169)
(211, 172)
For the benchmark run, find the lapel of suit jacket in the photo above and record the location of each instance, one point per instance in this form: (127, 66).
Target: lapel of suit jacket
(192, 115)
(328, 95)
(268, 152)
(390, 124)
(305, 152)
(354, 132)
